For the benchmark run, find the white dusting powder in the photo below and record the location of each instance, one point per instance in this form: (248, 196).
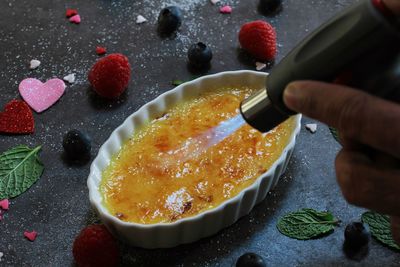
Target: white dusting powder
(153, 8)
(1, 255)
(183, 4)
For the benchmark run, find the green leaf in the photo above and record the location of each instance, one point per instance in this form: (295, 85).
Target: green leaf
(307, 224)
(20, 168)
(177, 82)
(380, 228)
(335, 134)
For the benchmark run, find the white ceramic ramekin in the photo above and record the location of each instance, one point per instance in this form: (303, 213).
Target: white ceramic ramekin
(163, 235)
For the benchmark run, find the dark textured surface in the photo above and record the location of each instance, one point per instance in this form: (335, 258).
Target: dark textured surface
(57, 206)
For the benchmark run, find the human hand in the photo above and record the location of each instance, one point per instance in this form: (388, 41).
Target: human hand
(368, 166)
(393, 5)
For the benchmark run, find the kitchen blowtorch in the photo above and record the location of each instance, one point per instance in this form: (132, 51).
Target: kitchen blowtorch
(359, 45)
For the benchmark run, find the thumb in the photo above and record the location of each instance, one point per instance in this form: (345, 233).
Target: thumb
(395, 221)
(393, 5)
(356, 114)
(323, 101)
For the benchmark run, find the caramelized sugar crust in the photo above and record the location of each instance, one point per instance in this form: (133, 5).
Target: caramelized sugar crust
(152, 179)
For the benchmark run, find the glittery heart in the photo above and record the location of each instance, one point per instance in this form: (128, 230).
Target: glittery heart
(31, 236)
(71, 12)
(75, 19)
(16, 118)
(4, 204)
(101, 50)
(40, 96)
(225, 10)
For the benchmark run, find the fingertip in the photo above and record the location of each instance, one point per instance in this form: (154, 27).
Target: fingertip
(292, 96)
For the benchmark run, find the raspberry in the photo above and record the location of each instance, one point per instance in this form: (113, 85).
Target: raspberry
(259, 39)
(110, 75)
(95, 246)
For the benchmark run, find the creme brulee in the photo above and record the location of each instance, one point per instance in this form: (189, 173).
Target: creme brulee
(147, 183)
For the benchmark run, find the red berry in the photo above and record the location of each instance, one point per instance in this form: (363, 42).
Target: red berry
(259, 39)
(110, 75)
(95, 246)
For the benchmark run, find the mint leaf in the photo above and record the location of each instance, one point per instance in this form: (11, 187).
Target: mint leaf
(380, 228)
(306, 224)
(20, 168)
(335, 134)
(177, 82)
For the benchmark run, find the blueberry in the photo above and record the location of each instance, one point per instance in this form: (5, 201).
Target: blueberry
(169, 19)
(77, 145)
(250, 260)
(199, 55)
(270, 6)
(356, 235)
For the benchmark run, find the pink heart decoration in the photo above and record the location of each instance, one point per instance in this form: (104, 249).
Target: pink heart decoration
(4, 204)
(75, 19)
(225, 10)
(40, 96)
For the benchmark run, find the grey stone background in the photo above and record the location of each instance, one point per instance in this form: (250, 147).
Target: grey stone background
(57, 206)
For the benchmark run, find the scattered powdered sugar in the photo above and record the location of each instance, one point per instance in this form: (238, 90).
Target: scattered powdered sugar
(184, 4)
(153, 8)
(312, 127)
